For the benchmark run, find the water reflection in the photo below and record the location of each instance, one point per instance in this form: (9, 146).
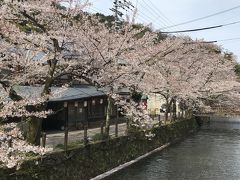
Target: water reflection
(212, 153)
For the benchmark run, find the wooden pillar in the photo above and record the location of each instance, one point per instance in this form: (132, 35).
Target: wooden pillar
(9, 141)
(76, 113)
(66, 127)
(165, 117)
(128, 124)
(85, 137)
(102, 128)
(159, 119)
(44, 137)
(116, 124)
(174, 109)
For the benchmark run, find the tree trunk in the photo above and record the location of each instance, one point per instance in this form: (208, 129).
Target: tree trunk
(34, 128)
(108, 115)
(168, 107)
(35, 123)
(31, 126)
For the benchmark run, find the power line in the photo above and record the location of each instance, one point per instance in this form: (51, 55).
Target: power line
(201, 29)
(202, 42)
(156, 14)
(224, 40)
(191, 30)
(152, 11)
(96, 10)
(140, 16)
(213, 41)
(145, 15)
(230, 39)
(159, 14)
(204, 17)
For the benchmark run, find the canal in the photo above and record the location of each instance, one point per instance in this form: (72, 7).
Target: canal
(212, 153)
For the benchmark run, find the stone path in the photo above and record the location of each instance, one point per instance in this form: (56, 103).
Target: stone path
(53, 139)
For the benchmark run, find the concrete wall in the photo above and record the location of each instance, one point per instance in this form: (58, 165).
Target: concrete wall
(94, 159)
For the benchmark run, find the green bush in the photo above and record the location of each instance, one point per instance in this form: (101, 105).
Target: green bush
(100, 137)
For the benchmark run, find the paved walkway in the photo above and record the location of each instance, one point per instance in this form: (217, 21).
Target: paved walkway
(53, 139)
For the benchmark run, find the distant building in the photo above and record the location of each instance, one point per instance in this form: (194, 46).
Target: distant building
(156, 103)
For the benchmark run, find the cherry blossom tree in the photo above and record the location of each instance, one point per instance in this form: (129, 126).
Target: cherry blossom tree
(187, 70)
(115, 65)
(41, 43)
(36, 44)
(13, 147)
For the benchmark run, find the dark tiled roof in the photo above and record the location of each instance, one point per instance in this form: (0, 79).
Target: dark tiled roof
(78, 93)
(63, 94)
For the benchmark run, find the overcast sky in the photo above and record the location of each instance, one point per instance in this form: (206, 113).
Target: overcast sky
(162, 13)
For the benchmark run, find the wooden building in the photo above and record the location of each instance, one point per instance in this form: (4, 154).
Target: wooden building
(79, 105)
(84, 104)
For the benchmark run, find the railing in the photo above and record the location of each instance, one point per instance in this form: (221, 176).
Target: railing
(85, 136)
(66, 138)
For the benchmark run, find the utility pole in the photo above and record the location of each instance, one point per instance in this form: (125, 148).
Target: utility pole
(117, 7)
(116, 13)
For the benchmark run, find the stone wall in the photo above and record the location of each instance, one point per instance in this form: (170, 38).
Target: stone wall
(94, 159)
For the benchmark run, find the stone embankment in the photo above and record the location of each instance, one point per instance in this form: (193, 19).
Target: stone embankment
(89, 161)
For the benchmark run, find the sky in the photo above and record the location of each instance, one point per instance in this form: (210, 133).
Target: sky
(163, 13)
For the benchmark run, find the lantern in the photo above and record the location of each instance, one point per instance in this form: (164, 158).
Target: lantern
(75, 104)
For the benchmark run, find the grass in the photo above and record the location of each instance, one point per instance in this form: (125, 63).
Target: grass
(71, 145)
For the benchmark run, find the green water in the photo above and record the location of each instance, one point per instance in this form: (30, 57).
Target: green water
(213, 153)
